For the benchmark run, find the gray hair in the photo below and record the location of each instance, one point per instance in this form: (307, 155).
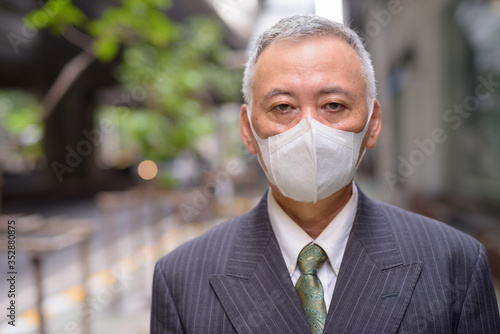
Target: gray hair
(309, 26)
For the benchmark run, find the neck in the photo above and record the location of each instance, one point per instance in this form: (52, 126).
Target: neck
(313, 218)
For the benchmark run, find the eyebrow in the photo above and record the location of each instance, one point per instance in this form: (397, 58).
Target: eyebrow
(332, 90)
(276, 92)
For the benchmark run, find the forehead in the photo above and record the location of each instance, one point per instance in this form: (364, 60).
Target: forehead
(308, 59)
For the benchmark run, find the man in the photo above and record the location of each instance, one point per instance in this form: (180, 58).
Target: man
(316, 255)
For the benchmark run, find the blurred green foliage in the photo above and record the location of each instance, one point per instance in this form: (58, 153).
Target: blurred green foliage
(62, 14)
(180, 84)
(172, 73)
(21, 124)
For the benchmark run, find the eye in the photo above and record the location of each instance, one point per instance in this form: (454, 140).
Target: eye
(283, 107)
(333, 106)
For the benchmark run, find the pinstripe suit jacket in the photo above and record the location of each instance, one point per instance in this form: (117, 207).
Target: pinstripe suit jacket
(401, 273)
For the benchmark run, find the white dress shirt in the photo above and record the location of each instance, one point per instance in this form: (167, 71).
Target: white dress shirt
(292, 238)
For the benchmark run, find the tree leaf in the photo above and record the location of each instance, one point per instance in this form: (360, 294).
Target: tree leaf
(106, 49)
(56, 15)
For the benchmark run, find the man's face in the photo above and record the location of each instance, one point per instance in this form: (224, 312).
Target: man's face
(316, 77)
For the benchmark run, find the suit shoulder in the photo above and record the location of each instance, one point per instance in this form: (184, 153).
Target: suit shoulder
(429, 235)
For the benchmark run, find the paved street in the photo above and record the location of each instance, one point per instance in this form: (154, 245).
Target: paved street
(122, 253)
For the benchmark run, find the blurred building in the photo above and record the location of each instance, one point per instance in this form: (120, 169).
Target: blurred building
(437, 65)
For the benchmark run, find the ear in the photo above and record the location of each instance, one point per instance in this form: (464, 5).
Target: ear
(246, 131)
(375, 125)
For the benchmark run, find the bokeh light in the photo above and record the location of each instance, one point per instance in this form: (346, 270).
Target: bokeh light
(147, 170)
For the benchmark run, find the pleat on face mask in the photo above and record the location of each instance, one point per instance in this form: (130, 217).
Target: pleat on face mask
(310, 161)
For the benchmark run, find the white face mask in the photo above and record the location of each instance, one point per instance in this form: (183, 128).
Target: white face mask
(311, 161)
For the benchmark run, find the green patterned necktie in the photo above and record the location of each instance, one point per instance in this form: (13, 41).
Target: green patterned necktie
(309, 287)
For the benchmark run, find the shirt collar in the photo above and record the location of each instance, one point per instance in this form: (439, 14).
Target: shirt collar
(292, 238)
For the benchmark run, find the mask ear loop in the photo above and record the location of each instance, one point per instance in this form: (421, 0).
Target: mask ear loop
(365, 130)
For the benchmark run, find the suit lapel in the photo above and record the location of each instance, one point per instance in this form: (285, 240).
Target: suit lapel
(372, 293)
(374, 286)
(257, 293)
